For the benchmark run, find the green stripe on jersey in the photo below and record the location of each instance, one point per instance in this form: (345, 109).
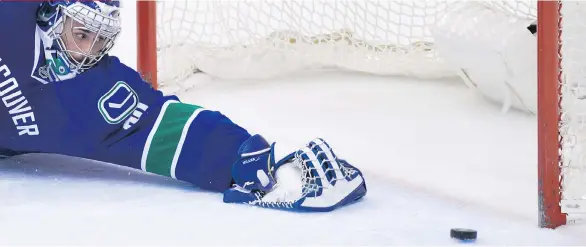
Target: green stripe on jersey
(166, 139)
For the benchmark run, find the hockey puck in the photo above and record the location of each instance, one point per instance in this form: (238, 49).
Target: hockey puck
(462, 234)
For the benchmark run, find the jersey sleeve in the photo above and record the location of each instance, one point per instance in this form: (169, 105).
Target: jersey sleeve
(116, 117)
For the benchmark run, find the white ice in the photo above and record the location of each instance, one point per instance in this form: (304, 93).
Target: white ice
(435, 156)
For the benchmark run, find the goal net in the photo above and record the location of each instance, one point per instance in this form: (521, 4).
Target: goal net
(260, 39)
(238, 39)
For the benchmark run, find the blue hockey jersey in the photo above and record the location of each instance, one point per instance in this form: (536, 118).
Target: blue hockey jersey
(107, 113)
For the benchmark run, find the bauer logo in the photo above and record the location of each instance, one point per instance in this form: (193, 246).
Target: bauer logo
(118, 103)
(250, 160)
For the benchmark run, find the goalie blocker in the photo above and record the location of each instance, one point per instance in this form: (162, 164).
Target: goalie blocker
(310, 179)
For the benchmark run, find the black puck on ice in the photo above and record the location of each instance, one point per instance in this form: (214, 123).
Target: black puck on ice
(463, 234)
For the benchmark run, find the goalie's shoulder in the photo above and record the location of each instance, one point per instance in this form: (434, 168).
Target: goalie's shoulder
(111, 70)
(114, 66)
(19, 7)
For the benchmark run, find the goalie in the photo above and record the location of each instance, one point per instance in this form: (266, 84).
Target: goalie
(62, 93)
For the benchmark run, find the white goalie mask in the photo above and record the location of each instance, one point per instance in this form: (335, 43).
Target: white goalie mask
(83, 31)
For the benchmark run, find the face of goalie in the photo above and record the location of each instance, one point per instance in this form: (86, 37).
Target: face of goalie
(81, 43)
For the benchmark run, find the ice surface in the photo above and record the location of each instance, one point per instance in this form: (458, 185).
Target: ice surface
(435, 156)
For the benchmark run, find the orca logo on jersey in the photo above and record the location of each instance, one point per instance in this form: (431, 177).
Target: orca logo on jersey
(118, 103)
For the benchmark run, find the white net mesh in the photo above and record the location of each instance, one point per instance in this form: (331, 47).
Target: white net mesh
(573, 103)
(259, 39)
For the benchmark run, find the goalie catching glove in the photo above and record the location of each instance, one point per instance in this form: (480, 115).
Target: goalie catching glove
(309, 179)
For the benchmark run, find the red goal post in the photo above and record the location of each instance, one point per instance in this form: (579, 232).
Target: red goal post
(146, 19)
(549, 82)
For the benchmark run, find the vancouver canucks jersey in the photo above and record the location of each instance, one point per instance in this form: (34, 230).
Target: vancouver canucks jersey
(107, 113)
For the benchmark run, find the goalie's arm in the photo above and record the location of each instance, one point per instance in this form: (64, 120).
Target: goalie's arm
(136, 126)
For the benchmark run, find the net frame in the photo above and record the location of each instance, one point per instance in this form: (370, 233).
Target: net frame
(146, 31)
(548, 117)
(550, 80)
